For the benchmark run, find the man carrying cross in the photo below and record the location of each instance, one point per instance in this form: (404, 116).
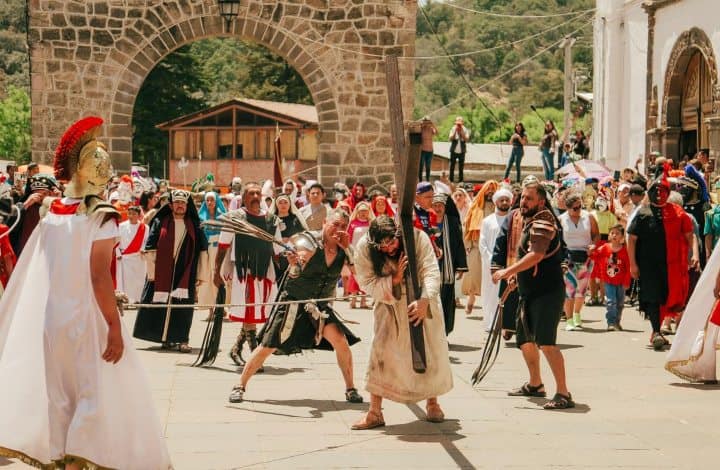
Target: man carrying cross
(380, 268)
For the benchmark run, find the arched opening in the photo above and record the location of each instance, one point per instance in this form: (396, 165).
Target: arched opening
(696, 105)
(138, 61)
(688, 101)
(214, 106)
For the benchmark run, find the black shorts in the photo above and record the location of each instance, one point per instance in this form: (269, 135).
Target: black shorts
(539, 318)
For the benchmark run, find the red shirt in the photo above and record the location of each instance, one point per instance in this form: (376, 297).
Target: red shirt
(615, 265)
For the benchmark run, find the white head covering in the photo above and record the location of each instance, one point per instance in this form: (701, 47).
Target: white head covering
(293, 210)
(502, 192)
(442, 188)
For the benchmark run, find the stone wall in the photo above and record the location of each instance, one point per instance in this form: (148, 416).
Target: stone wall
(91, 57)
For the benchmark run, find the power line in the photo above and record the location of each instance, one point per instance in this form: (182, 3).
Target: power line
(445, 56)
(508, 15)
(509, 71)
(456, 66)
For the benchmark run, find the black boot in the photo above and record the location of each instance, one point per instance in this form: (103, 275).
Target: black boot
(253, 344)
(236, 351)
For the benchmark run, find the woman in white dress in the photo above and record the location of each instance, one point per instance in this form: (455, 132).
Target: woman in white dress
(75, 393)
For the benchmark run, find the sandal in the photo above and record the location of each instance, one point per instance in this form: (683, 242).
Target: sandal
(434, 413)
(236, 395)
(372, 420)
(528, 390)
(507, 334)
(166, 346)
(560, 402)
(352, 396)
(184, 348)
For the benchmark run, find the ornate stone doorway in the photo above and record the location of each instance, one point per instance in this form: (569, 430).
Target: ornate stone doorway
(690, 97)
(92, 57)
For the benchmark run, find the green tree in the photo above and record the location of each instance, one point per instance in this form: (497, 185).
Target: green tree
(168, 92)
(15, 126)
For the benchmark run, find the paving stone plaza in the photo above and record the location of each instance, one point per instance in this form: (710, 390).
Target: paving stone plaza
(630, 413)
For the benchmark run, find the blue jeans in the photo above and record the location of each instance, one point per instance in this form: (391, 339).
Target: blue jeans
(548, 164)
(614, 301)
(425, 161)
(515, 159)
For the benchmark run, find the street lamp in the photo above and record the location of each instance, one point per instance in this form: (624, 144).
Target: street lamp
(229, 10)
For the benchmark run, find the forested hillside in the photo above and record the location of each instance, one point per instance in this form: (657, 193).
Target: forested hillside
(511, 73)
(510, 62)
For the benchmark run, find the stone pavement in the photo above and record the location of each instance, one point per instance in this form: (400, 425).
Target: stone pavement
(630, 413)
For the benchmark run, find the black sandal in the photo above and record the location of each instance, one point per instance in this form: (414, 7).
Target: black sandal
(236, 395)
(560, 402)
(528, 390)
(352, 396)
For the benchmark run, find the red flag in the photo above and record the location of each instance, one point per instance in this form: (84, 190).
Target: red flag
(277, 161)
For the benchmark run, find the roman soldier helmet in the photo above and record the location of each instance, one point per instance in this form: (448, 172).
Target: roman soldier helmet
(67, 154)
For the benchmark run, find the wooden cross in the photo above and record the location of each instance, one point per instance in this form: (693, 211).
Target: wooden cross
(406, 158)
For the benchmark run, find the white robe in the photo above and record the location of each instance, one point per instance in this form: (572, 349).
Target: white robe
(489, 290)
(390, 373)
(59, 397)
(131, 268)
(693, 353)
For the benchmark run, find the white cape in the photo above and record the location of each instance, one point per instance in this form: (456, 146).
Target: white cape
(60, 399)
(693, 353)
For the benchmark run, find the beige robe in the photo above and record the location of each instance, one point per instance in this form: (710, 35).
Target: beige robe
(390, 373)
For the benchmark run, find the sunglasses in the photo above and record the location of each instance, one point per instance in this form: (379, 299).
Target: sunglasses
(576, 208)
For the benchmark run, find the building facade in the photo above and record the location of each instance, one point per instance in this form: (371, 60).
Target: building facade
(237, 138)
(656, 79)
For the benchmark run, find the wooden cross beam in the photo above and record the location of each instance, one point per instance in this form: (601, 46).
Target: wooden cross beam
(406, 158)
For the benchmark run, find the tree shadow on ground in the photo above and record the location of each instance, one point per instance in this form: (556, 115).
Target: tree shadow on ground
(580, 408)
(463, 348)
(317, 408)
(698, 386)
(563, 347)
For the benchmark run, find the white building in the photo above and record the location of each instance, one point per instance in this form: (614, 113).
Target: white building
(656, 79)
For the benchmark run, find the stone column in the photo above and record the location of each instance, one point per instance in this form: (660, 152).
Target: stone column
(670, 142)
(713, 126)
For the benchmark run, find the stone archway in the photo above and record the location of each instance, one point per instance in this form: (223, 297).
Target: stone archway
(92, 58)
(691, 73)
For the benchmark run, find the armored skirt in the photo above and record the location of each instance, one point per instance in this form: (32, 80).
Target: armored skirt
(291, 328)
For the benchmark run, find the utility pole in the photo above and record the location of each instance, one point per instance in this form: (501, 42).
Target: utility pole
(567, 44)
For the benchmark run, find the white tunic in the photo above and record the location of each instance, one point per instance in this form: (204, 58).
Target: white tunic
(490, 291)
(131, 268)
(390, 373)
(59, 397)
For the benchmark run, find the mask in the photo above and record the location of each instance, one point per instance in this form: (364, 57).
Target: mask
(658, 195)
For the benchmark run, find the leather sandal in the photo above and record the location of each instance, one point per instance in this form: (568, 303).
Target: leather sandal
(352, 396)
(435, 413)
(372, 420)
(560, 402)
(184, 348)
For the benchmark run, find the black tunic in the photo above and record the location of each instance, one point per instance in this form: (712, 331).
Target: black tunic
(150, 322)
(316, 281)
(650, 255)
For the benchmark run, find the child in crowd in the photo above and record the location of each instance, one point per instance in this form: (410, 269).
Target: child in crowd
(615, 263)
